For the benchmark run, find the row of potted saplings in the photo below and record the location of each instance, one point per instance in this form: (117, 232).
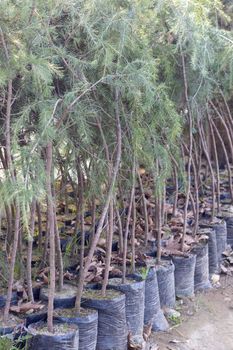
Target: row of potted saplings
(105, 322)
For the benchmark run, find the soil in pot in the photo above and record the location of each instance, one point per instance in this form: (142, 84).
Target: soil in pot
(112, 326)
(134, 302)
(87, 322)
(184, 275)
(63, 299)
(166, 283)
(65, 337)
(201, 275)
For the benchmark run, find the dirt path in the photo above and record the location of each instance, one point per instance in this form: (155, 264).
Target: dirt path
(207, 322)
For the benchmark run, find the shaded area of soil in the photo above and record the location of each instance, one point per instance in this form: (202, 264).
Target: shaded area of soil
(207, 322)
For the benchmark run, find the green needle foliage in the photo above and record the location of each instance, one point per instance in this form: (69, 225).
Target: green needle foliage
(66, 60)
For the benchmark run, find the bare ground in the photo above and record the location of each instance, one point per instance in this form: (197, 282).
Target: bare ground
(206, 322)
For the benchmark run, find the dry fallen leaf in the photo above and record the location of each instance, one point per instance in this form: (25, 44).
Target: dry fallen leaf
(147, 331)
(26, 307)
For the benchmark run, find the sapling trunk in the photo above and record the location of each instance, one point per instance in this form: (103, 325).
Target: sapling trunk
(186, 208)
(12, 264)
(109, 235)
(93, 218)
(226, 157)
(109, 248)
(50, 210)
(158, 212)
(174, 211)
(190, 152)
(227, 108)
(216, 164)
(225, 128)
(58, 254)
(126, 233)
(107, 201)
(9, 227)
(11, 174)
(134, 209)
(39, 226)
(195, 203)
(198, 156)
(120, 229)
(144, 209)
(29, 251)
(81, 216)
(77, 217)
(163, 206)
(159, 228)
(46, 243)
(205, 150)
(227, 121)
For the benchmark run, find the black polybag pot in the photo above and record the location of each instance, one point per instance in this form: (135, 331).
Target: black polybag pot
(184, 275)
(212, 250)
(14, 299)
(65, 299)
(153, 313)
(221, 238)
(36, 293)
(36, 317)
(14, 325)
(227, 215)
(229, 221)
(134, 303)
(46, 341)
(201, 275)
(166, 284)
(112, 327)
(6, 329)
(88, 327)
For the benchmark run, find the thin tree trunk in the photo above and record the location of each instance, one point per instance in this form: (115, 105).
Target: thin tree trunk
(49, 155)
(46, 243)
(107, 201)
(127, 232)
(226, 156)
(58, 254)
(109, 248)
(9, 237)
(12, 264)
(144, 209)
(216, 164)
(39, 226)
(158, 212)
(93, 218)
(204, 146)
(120, 229)
(81, 208)
(195, 204)
(190, 152)
(174, 211)
(29, 251)
(163, 209)
(109, 237)
(133, 233)
(225, 128)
